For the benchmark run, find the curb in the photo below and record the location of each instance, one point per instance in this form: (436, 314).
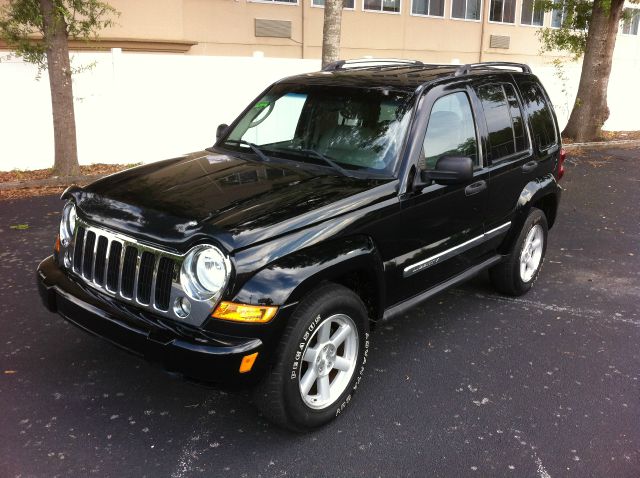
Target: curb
(68, 181)
(603, 144)
(50, 182)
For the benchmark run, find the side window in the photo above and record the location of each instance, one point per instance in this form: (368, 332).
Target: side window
(543, 128)
(502, 112)
(450, 131)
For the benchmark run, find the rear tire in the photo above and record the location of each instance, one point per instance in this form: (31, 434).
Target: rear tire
(518, 272)
(320, 361)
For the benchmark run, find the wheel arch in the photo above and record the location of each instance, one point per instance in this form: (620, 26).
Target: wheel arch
(542, 193)
(353, 262)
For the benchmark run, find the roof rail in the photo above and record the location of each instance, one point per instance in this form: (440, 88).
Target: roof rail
(466, 69)
(370, 63)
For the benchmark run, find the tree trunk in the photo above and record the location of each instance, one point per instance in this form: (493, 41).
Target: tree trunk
(590, 109)
(59, 66)
(331, 31)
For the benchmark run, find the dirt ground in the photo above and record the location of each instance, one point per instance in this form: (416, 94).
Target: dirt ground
(38, 174)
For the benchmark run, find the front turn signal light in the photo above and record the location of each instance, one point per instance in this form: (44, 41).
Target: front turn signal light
(247, 362)
(244, 313)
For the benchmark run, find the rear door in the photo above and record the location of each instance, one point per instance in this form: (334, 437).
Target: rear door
(509, 152)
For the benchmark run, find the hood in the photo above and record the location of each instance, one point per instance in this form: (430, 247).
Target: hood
(239, 202)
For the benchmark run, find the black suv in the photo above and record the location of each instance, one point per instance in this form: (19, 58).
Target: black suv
(337, 199)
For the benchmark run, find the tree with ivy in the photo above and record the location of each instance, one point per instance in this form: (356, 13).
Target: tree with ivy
(589, 28)
(39, 32)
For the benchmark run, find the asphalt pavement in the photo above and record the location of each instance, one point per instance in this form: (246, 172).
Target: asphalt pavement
(469, 384)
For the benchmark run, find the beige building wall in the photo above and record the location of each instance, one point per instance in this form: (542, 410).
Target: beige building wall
(227, 28)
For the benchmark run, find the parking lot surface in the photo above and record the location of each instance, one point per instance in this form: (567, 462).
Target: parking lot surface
(468, 384)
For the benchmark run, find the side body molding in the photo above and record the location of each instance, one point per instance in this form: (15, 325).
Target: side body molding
(289, 278)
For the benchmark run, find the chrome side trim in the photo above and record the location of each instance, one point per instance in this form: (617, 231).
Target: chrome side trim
(454, 251)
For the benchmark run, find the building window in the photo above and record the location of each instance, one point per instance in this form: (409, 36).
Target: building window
(503, 11)
(433, 8)
(466, 9)
(559, 14)
(631, 21)
(294, 2)
(532, 13)
(388, 6)
(348, 4)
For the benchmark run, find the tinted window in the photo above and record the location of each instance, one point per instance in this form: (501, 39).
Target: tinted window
(450, 130)
(504, 120)
(519, 131)
(543, 127)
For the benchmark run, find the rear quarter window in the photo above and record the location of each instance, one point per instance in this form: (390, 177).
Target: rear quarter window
(543, 127)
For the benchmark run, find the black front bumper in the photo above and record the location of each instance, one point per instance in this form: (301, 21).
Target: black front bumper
(197, 356)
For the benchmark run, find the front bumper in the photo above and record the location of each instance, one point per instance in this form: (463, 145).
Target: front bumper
(177, 348)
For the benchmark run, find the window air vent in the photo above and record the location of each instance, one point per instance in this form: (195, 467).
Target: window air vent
(499, 41)
(273, 28)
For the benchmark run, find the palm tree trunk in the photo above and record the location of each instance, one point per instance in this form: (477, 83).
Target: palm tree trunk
(590, 109)
(59, 67)
(331, 31)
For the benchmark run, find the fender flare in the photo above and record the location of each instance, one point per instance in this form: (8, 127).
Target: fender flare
(535, 192)
(288, 279)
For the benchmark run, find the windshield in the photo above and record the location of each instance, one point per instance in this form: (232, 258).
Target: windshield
(358, 129)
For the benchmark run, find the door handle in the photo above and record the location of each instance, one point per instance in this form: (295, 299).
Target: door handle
(530, 166)
(475, 188)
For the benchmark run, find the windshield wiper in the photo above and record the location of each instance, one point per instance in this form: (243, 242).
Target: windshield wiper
(253, 147)
(328, 161)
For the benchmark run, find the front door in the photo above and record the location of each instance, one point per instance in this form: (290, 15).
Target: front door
(440, 226)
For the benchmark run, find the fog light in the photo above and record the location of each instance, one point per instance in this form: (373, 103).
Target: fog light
(182, 307)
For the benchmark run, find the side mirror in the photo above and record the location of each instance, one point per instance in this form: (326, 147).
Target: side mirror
(221, 130)
(450, 170)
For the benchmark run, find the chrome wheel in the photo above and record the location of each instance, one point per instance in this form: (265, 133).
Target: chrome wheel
(328, 361)
(531, 254)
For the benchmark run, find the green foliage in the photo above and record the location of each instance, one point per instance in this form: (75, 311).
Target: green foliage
(571, 37)
(22, 24)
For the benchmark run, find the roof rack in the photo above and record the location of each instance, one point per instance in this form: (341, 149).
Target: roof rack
(466, 69)
(370, 63)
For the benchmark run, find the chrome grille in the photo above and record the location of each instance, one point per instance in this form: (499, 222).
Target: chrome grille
(123, 268)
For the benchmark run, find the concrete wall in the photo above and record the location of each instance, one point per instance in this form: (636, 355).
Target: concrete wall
(144, 107)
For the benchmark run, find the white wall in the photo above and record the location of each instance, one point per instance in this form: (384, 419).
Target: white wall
(144, 107)
(133, 107)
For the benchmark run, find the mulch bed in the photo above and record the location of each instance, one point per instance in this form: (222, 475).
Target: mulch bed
(41, 174)
(612, 136)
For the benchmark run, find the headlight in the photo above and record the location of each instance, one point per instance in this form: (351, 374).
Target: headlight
(204, 272)
(68, 222)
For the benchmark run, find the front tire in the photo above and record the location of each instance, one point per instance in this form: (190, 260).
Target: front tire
(517, 274)
(320, 362)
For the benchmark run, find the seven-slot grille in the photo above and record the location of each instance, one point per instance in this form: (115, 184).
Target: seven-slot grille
(125, 269)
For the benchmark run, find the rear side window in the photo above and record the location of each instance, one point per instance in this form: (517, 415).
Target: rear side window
(502, 112)
(543, 128)
(451, 130)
